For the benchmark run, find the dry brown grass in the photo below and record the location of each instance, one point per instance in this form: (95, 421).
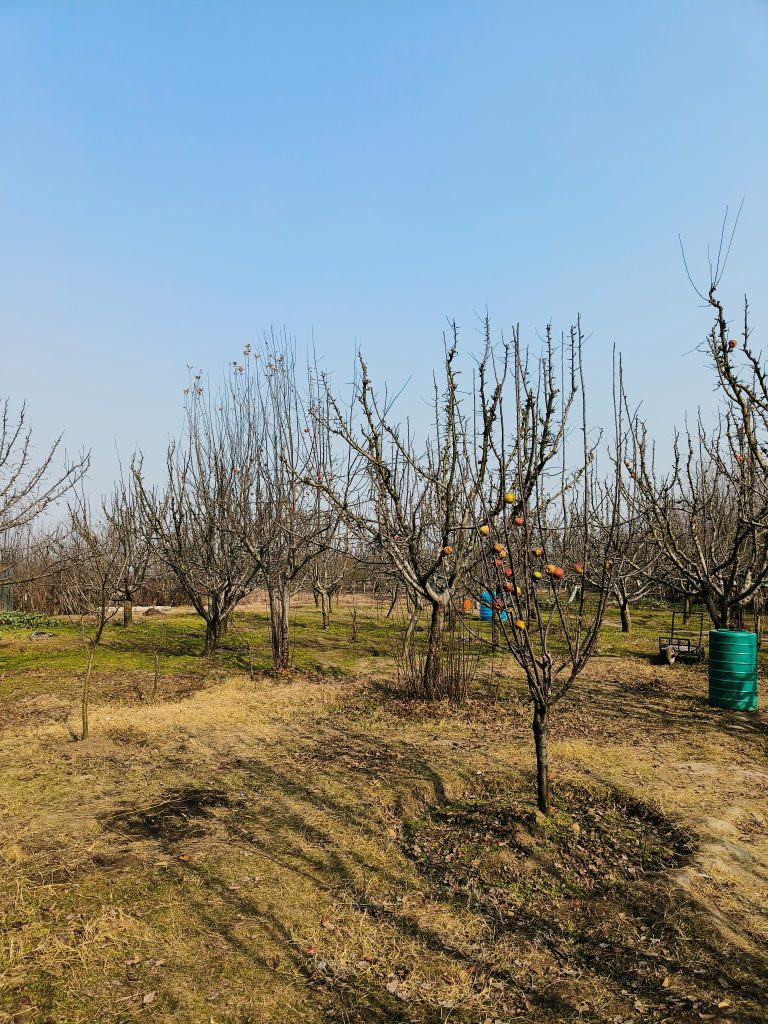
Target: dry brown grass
(314, 850)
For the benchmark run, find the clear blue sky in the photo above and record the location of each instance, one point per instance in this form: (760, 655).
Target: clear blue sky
(177, 176)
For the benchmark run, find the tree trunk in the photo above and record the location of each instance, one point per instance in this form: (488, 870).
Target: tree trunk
(325, 608)
(626, 617)
(127, 613)
(211, 635)
(410, 629)
(541, 737)
(223, 627)
(212, 625)
(433, 664)
(686, 609)
(278, 617)
(709, 604)
(87, 693)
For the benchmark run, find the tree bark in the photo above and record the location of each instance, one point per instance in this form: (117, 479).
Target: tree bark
(212, 625)
(127, 613)
(686, 609)
(325, 608)
(433, 664)
(709, 604)
(541, 737)
(278, 617)
(626, 617)
(410, 629)
(211, 635)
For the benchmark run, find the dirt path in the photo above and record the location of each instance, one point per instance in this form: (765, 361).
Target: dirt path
(321, 851)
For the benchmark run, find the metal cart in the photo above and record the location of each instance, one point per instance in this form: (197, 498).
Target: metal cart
(677, 646)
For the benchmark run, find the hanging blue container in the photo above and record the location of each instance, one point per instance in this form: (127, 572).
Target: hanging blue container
(733, 669)
(486, 612)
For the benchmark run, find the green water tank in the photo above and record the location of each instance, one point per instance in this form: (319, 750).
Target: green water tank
(733, 669)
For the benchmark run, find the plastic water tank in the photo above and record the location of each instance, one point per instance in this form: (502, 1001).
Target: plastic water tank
(733, 669)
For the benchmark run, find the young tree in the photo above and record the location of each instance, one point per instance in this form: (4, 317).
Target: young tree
(94, 566)
(546, 525)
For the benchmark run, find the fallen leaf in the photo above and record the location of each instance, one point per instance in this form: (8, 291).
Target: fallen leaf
(149, 998)
(665, 983)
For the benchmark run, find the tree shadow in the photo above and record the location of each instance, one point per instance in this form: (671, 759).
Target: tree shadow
(290, 811)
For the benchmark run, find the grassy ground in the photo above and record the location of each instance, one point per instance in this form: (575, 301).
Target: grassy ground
(314, 847)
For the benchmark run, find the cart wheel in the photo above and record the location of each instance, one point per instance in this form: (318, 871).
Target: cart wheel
(669, 655)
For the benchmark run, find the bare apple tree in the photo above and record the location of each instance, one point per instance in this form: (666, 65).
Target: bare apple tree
(705, 515)
(128, 534)
(287, 525)
(235, 510)
(190, 518)
(548, 523)
(412, 498)
(708, 513)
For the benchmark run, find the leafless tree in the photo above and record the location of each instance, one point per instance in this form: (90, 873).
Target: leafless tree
(707, 514)
(30, 484)
(413, 499)
(287, 525)
(704, 514)
(127, 531)
(548, 523)
(235, 510)
(328, 573)
(94, 565)
(190, 519)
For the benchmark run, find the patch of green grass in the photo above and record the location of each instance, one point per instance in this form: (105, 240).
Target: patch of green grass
(26, 620)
